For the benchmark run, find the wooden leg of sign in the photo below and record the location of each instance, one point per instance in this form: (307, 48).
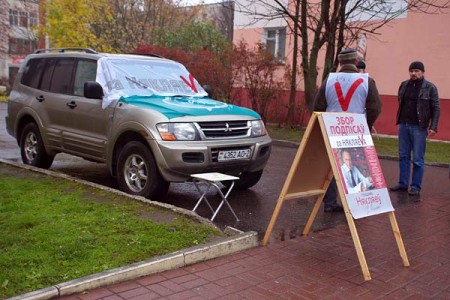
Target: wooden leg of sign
(316, 207)
(354, 233)
(398, 238)
(357, 243)
(313, 214)
(275, 214)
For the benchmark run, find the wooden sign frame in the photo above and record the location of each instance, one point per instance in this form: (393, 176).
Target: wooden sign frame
(310, 175)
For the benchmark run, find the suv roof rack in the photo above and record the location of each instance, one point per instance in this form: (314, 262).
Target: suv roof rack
(148, 54)
(87, 50)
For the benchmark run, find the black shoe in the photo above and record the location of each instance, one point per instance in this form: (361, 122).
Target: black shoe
(334, 208)
(413, 192)
(398, 188)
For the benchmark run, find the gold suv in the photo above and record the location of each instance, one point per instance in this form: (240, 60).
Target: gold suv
(146, 117)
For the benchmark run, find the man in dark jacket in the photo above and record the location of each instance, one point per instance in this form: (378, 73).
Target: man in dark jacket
(365, 100)
(417, 117)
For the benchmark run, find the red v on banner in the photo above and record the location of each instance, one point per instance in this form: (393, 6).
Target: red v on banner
(345, 101)
(190, 83)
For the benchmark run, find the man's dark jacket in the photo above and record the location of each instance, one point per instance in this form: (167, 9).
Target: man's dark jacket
(428, 109)
(373, 101)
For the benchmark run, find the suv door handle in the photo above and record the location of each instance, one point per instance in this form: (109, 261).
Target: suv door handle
(40, 98)
(71, 104)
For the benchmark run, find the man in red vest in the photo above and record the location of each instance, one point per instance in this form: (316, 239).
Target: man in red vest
(347, 91)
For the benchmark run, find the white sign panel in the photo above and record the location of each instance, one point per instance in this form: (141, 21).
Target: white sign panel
(357, 162)
(362, 46)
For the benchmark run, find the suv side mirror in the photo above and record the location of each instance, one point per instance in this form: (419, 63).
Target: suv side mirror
(208, 89)
(93, 90)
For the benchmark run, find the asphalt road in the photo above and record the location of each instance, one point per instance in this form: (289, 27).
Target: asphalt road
(255, 206)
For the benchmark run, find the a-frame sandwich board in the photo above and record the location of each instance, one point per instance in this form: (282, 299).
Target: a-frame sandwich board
(311, 172)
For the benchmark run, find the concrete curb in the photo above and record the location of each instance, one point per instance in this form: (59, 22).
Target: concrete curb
(240, 242)
(236, 242)
(179, 259)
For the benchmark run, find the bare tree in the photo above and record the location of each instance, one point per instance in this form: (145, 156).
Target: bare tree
(330, 24)
(136, 21)
(254, 69)
(220, 14)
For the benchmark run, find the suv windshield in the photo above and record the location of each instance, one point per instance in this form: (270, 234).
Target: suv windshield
(126, 77)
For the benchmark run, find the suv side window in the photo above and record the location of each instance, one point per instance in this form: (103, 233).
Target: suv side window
(47, 76)
(86, 71)
(61, 79)
(32, 72)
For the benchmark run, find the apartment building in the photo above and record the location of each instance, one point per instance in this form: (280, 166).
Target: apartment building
(18, 22)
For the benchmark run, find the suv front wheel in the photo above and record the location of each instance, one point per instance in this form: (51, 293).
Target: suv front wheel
(138, 174)
(32, 148)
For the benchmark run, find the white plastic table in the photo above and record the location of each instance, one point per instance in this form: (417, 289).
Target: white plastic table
(212, 180)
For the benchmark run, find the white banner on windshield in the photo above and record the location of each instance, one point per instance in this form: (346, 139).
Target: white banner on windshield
(125, 77)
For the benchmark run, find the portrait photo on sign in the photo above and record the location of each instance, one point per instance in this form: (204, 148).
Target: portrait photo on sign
(354, 170)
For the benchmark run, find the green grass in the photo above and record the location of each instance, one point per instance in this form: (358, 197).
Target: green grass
(437, 152)
(54, 231)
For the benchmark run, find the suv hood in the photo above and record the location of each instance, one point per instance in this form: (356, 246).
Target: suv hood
(180, 106)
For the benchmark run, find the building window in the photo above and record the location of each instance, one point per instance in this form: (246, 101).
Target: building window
(21, 46)
(33, 20)
(13, 17)
(275, 40)
(23, 19)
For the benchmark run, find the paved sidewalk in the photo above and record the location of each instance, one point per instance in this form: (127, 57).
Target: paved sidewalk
(322, 265)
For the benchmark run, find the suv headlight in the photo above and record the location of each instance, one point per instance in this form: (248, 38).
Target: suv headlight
(258, 128)
(177, 131)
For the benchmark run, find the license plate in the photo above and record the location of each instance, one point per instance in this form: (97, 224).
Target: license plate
(234, 154)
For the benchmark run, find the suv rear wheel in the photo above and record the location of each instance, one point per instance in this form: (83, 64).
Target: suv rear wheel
(138, 174)
(32, 148)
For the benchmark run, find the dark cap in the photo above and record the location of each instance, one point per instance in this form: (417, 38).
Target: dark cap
(347, 55)
(417, 65)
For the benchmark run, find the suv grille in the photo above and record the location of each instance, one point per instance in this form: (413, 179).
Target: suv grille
(224, 129)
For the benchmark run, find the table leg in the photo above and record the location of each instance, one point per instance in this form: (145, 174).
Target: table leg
(203, 195)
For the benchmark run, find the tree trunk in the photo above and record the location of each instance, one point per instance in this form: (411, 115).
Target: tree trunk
(293, 85)
(310, 75)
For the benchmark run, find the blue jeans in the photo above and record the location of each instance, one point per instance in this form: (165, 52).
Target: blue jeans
(411, 139)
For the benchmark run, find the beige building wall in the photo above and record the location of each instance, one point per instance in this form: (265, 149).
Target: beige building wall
(421, 37)
(424, 37)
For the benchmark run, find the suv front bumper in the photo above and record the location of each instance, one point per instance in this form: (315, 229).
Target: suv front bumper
(178, 160)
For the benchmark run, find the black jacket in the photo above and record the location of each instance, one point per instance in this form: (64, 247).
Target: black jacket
(428, 108)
